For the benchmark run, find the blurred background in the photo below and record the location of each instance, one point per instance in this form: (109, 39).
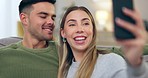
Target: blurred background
(10, 25)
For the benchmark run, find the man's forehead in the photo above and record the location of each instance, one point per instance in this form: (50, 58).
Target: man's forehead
(44, 7)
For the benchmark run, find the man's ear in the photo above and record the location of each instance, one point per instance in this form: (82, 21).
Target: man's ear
(24, 19)
(62, 33)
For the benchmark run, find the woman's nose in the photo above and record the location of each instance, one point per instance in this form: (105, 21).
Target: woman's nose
(80, 29)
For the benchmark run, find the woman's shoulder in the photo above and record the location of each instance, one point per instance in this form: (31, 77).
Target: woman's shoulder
(111, 58)
(110, 63)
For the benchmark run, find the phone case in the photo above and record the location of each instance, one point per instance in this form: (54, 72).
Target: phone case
(121, 33)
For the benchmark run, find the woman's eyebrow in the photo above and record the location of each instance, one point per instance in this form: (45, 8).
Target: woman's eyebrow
(71, 20)
(85, 19)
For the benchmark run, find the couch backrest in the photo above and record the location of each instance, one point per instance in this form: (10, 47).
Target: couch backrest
(9, 40)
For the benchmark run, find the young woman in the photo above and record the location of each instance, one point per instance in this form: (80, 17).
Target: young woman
(79, 56)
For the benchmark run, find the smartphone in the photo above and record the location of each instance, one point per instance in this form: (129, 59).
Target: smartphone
(121, 33)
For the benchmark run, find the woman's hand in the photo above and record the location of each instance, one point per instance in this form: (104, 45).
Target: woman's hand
(133, 48)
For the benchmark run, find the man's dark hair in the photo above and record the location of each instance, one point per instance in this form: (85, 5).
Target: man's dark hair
(27, 3)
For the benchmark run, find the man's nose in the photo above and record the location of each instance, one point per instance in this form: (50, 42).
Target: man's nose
(50, 21)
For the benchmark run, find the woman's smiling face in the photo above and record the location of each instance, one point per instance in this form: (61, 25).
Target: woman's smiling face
(78, 30)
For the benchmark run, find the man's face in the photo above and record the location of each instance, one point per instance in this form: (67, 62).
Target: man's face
(41, 21)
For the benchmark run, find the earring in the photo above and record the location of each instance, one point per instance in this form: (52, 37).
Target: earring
(64, 40)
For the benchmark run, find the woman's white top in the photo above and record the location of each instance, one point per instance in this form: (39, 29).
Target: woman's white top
(107, 66)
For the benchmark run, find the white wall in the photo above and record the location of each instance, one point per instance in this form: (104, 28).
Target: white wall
(142, 5)
(8, 18)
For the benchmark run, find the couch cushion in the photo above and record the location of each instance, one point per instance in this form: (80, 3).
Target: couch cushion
(9, 40)
(117, 50)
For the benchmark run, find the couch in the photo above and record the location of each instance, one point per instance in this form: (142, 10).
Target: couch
(10, 40)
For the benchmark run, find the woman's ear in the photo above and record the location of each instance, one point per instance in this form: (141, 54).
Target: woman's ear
(62, 32)
(24, 19)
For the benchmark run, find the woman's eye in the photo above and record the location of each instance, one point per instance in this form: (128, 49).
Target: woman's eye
(71, 24)
(86, 24)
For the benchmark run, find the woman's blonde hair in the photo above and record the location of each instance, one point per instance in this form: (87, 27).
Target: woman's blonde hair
(87, 64)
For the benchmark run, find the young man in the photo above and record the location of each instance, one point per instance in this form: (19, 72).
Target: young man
(36, 55)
